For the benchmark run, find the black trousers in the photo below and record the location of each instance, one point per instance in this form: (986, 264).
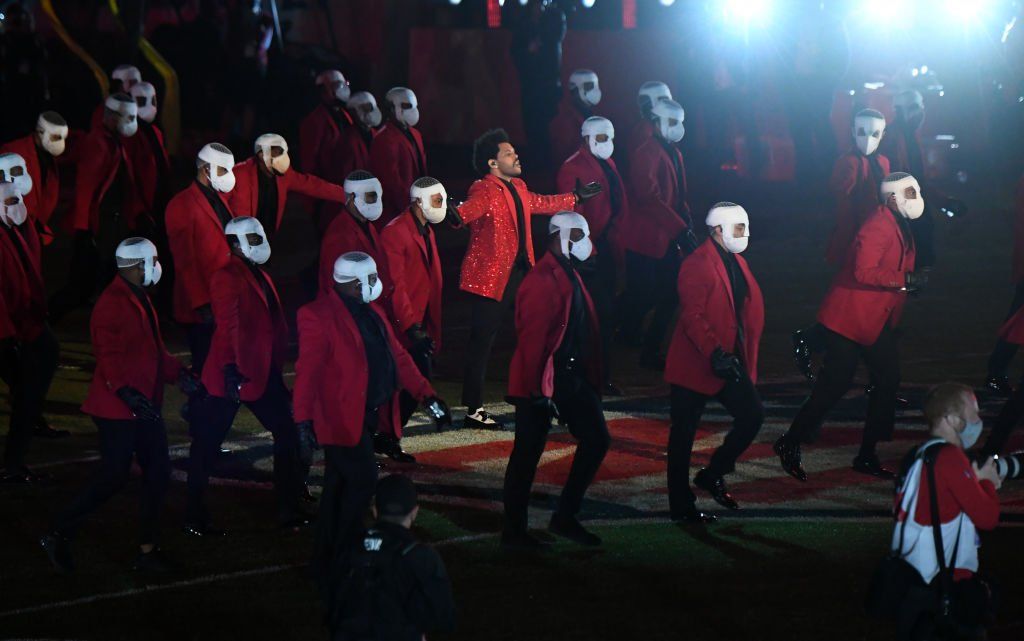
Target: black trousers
(600, 280)
(213, 420)
(119, 440)
(486, 316)
(742, 402)
(350, 479)
(580, 408)
(28, 373)
(837, 372)
(1009, 417)
(406, 403)
(1003, 352)
(651, 285)
(199, 336)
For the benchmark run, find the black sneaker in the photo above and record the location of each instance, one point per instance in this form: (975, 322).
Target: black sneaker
(998, 386)
(901, 400)
(570, 528)
(154, 562)
(716, 486)
(789, 456)
(391, 447)
(522, 540)
(871, 466)
(58, 549)
(21, 476)
(480, 419)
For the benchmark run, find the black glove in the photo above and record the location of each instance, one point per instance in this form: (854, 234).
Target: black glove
(954, 208)
(233, 381)
(453, 217)
(189, 383)
(916, 280)
(138, 404)
(307, 442)
(586, 192)
(421, 341)
(546, 405)
(726, 365)
(439, 411)
(687, 241)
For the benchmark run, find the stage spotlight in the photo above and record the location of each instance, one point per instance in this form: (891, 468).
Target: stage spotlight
(745, 10)
(455, 1)
(964, 9)
(587, 3)
(667, 3)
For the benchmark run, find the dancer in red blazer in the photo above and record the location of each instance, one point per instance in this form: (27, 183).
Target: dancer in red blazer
(606, 214)
(582, 94)
(658, 232)
(713, 353)
(649, 93)
(354, 230)
(555, 372)
(264, 181)
(248, 350)
(125, 398)
(500, 252)
(147, 156)
(195, 221)
(39, 150)
(397, 156)
(101, 159)
(860, 313)
(31, 353)
(350, 368)
(415, 269)
(323, 131)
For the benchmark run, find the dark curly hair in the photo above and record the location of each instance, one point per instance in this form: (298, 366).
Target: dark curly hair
(485, 148)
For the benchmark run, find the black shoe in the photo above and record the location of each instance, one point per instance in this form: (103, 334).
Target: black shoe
(900, 399)
(154, 562)
(654, 362)
(21, 476)
(392, 448)
(998, 386)
(58, 549)
(479, 419)
(871, 466)
(716, 486)
(693, 516)
(522, 540)
(789, 456)
(610, 389)
(570, 528)
(802, 356)
(202, 531)
(43, 430)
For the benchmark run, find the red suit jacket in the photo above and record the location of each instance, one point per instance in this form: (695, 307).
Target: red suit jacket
(490, 214)
(196, 238)
(343, 235)
(638, 135)
(247, 332)
(1018, 233)
(42, 200)
(331, 374)
(101, 154)
(856, 197)
(150, 166)
(564, 130)
(128, 353)
(654, 220)
(865, 294)
(244, 198)
(21, 285)
(415, 270)
(397, 163)
(543, 304)
(583, 166)
(707, 320)
(319, 136)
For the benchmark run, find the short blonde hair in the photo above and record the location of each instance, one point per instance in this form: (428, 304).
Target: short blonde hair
(945, 399)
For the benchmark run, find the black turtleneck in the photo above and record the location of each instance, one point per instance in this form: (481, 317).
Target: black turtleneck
(216, 203)
(569, 354)
(740, 290)
(677, 167)
(266, 202)
(420, 169)
(614, 186)
(147, 306)
(382, 377)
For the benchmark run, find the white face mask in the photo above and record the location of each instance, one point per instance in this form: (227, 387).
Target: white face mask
(224, 183)
(127, 75)
(423, 196)
(359, 266)
(665, 110)
(278, 164)
(241, 228)
(910, 208)
(578, 79)
(867, 132)
(370, 118)
(219, 160)
(565, 222)
(137, 248)
(9, 163)
(128, 113)
(594, 127)
(651, 92)
(15, 214)
(147, 92)
(409, 116)
(727, 216)
(343, 92)
(45, 130)
(369, 211)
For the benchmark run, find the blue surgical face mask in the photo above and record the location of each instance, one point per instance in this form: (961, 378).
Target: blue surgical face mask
(970, 435)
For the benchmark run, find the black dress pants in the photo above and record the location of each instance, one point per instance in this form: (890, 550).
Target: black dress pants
(29, 372)
(119, 440)
(742, 402)
(651, 285)
(215, 416)
(1003, 352)
(199, 336)
(407, 404)
(487, 315)
(837, 372)
(1009, 417)
(579, 405)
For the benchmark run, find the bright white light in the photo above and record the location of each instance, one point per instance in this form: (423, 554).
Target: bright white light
(964, 9)
(587, 3)
(896, 12)
(874, 86)
(667, 3)
(455, 1)
(501, 3)
(924, 68)
(914, 72)
(745, 10)
(523, 3)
